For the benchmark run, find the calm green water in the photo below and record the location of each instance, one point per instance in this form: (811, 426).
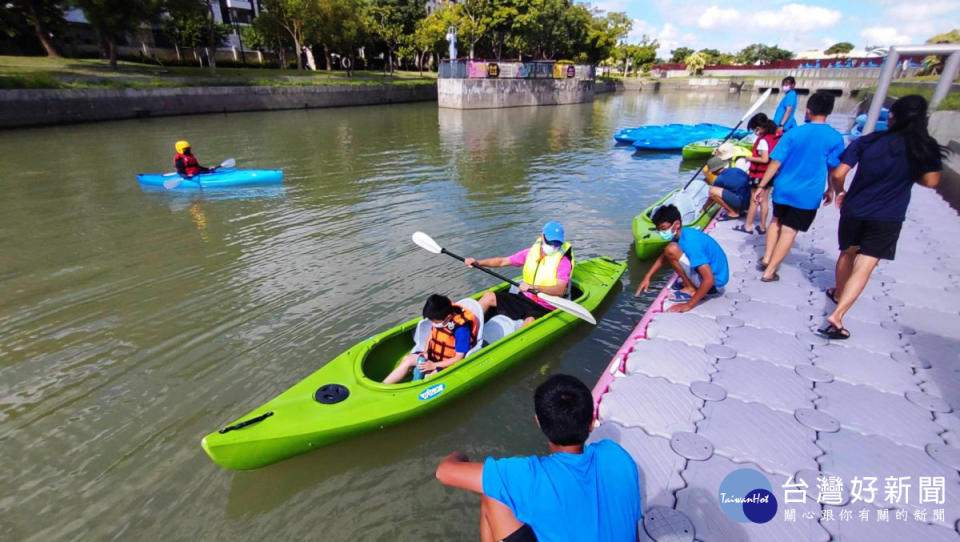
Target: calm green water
(132, 324)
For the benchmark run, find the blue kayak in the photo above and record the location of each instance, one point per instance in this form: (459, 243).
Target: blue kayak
(672, 136)
(218, 179)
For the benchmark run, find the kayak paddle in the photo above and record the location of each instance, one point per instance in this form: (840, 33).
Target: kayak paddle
(753, 109)
(427, 243)
(170, 184)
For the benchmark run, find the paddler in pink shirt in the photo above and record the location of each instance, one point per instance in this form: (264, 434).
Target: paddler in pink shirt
(547, 266)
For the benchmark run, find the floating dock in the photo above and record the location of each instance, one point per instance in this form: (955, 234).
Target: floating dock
(743, 381)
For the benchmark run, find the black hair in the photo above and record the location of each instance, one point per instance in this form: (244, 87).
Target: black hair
(820, 103)
(564, 407)
(789, 79)
(757, 120)
(909, 119)
(665, 213)
(438, 307)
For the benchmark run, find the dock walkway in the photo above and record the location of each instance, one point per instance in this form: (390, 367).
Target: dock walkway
(742, 381)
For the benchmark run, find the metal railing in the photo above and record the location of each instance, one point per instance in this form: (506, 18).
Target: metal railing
(493, 69)
(950, 68)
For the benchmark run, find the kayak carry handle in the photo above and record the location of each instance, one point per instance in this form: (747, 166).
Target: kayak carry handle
(243, 424)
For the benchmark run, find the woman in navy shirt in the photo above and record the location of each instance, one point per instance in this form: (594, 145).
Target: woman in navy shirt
(874, 209)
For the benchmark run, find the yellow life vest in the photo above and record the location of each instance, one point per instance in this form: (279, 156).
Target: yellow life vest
(541, 269)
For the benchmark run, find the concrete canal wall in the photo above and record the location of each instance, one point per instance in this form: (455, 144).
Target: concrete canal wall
(20, 108)
(497, 93)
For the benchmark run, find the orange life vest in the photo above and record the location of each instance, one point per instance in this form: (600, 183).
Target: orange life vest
(190, 164)
(442, 343)
(757, 170)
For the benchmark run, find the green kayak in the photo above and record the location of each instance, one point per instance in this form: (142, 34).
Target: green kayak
(704, 149)
(345, 397)
(689, 201)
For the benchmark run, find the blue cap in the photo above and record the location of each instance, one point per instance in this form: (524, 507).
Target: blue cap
(553, 231)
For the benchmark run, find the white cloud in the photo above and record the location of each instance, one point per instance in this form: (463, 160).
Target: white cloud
(928, 11)
(796, 17)
(884, 35)
(717, 17)
(668, 36)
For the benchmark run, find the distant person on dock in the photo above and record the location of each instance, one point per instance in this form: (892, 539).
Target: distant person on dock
(547, 266)
(731, 187)
(767, 139)
(576, 493)
(784, 116)
(695, 256)
(453, 335)
(873, 211)
(185, 162)
(801, 161)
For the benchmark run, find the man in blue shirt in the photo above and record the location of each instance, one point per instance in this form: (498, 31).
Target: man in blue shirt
(800, 161)
(576, 493)
(787, 106)
(695, 256)
(731, 188)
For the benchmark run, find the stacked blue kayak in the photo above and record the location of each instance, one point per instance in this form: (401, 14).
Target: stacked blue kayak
(221, 178)
(672, 137)
(881, 126)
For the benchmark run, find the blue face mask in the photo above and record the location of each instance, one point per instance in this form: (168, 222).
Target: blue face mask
(666, 235)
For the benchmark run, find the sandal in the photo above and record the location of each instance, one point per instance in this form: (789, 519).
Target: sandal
(834, 332)
(762, 266)
(831, 295)
(743, 229)
(681, 297)
(725, 218)
(774, 278)
(763, 231)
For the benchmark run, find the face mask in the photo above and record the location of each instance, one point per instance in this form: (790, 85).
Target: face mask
(547, 248)
(785, 89)
(666, 235)
(449, 325)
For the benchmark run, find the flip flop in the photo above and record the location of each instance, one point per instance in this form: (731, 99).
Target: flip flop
(834, 332)
(830, 295)
(743, 229)
(681, 297)
(726, 218)
(774, 278)
(763, 231)
(761, 266)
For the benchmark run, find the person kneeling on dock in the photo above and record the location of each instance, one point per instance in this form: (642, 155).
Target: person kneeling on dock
(731, 188)
(547, 266)
(186, 163)
(576, 493)
(453, 335)
(695, 256)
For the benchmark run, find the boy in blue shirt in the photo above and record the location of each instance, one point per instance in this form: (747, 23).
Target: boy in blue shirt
(731, 188)
(787, 106)
(801, 161)
(576, 493)
(694, 255)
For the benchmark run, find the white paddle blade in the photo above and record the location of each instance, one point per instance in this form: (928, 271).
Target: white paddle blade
(426, 242)
(228, 163)
(756, 105)
(568, 306)
(170, 184)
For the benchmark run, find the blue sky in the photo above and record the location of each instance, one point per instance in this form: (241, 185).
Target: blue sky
(795, 25)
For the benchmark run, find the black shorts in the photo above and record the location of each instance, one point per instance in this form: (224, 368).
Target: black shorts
(518, 306)
(875, 238)
(793, 218)
(523, 534)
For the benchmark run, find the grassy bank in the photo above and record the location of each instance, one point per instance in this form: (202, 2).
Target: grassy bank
(950, 102)
(18, 72)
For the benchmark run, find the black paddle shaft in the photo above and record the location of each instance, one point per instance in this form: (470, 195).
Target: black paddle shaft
(484, 269)
(697, 172)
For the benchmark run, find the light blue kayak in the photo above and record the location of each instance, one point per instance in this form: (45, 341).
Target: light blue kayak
(220, 178)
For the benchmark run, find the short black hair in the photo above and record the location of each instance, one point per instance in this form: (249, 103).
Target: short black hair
(564, 407)
(437, 307)
(665, 213)
(789, 79)
(820, 103)
(757, 120)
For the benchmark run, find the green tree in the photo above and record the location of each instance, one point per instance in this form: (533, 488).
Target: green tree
(716, 58)
(934, 64)
(604, 34)
(549, 29)
(113, 19)
(298, 18)
(696, 62)
(677, 55)
(266, 32)
(500, 26)
(430, 36)
(39, 17)
(841, 48)
(763, 54)
(187, 23)
(636, 56)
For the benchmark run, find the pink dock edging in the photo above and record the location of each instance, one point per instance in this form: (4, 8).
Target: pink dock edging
(619, 361)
